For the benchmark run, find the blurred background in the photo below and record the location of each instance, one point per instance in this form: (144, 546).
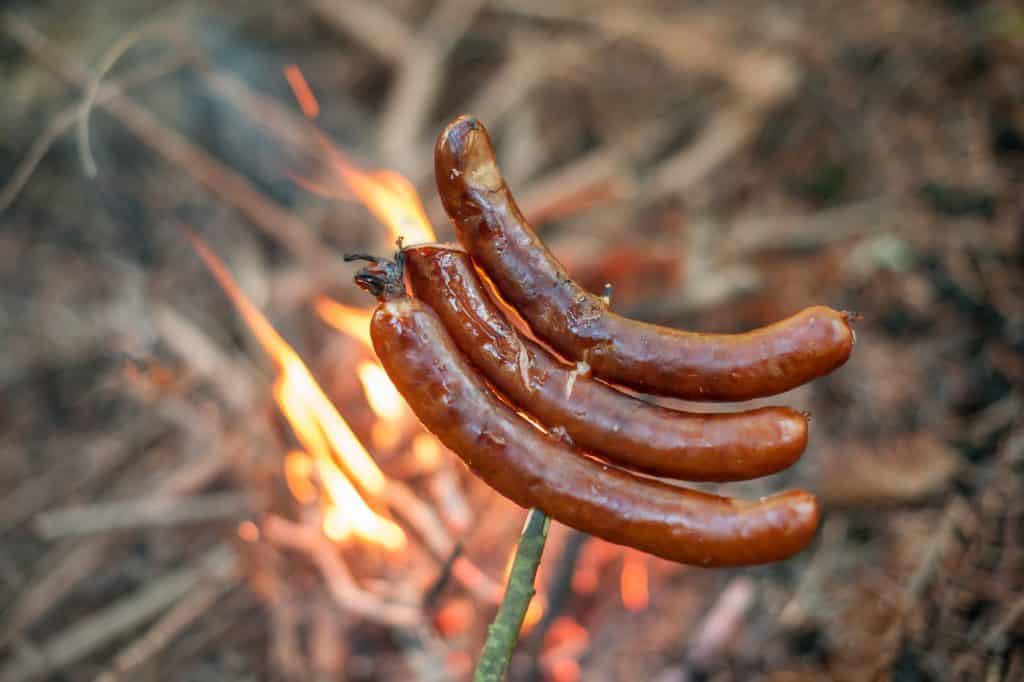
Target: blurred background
(177, 497)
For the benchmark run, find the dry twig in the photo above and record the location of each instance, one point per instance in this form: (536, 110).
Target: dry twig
(369, 22)
(342, 586)
(228, 185)
(119, 515)
(98, 629)
(72, 561)
(63, 121)
(190, 608)
(418, 82)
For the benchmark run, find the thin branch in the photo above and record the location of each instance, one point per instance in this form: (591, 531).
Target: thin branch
(102, 627)
(170, 30)
(503, 633)
(67, 118)
(376, 27)
(224, 182)
(148, 512)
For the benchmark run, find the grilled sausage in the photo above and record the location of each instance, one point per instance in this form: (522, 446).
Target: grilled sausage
(596, 417)
(537, 470)
(578, 324)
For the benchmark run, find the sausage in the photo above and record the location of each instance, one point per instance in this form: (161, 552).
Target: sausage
(596, 417)
(579, 325)
(535, 469)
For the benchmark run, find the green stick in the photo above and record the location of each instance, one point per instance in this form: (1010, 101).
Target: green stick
(503, 633)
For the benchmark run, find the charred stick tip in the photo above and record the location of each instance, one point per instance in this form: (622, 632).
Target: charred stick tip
(383, 278)
(349, 257)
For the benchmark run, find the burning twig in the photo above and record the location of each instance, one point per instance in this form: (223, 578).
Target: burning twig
(503, 633)
(342, 585)
(431, 595)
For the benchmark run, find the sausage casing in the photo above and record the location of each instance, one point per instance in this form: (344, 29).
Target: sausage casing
(578, 324)
(596, 417)
(536, 470)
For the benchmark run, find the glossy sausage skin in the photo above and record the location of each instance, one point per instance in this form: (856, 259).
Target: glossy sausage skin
(595, 416)
(578, 324)
(536, 470)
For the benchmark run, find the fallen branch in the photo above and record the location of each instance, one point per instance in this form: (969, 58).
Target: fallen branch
(88, 634)
(191, 607)
(141, 513)
(219, 179)
(72, 561)
(369, 22)
(418, 82)
(63, 121)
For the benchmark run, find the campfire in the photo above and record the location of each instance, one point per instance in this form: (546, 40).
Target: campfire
(212, 468)
(372, 535)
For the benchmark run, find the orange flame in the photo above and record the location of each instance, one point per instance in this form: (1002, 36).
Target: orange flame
(534, 612)
(345, 318)
(385, 400)
(298, 476)
(387, 194)
(303, 93)
(426, 450)
(634, 581)
(318, 426)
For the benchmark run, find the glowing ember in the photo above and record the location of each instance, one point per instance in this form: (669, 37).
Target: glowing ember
(567, 632)
(298, 475)
(319, 428)
(348, 319)
(248, 531)
(303, 93)
(565, 642)
(565, 670)
(634, 580)
(426, 451)
(585, 580)
(455, 617)
(534, 612)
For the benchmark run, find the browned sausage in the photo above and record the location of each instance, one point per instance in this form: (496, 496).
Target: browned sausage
(536, 470)
(579, 325)
(596, 417)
